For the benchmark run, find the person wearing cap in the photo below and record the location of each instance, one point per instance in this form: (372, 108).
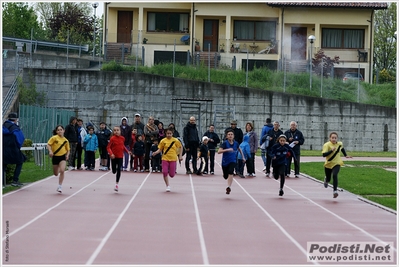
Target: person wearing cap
(13, 139)
(203, 155)
(71, 133)
(295, 139)
(138, 125)
(213, 141)
(280, 153)
(238, 134)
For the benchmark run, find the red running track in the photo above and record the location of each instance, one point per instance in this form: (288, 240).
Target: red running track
(194, 224)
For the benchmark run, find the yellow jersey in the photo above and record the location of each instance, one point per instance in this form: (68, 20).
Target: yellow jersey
(337, 159)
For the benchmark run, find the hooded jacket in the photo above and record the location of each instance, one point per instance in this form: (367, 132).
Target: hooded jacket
(126, 131)
(245, 148)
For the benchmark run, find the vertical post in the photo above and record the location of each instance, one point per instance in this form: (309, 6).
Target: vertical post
(209, 62)
(321, 77)
(311, 38)
(31, 45)
(95, 5)
(67, 50)
(358, 84)
(246, 72)
(285, 71)
(174, 59)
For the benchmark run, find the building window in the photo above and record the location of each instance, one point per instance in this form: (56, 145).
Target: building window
(255, 30)
(342, 38)
(167, 22)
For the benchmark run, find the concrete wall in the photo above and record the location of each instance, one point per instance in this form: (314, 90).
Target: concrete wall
(109, 96)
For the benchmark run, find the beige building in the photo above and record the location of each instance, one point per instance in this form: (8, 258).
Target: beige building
(280, 35)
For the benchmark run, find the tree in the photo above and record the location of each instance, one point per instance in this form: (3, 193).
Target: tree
(322, 63)
(384, 55)
(18, 20)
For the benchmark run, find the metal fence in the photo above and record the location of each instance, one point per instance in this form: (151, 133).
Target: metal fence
(38, 123)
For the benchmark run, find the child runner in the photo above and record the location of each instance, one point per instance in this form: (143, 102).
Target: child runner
(169, 146)
(229, 149)
(203, 155)
(115, 148)
(58, 150)
(331, 151)
(280, 153)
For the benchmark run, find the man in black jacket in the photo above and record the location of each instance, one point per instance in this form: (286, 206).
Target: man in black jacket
(273, 134)
(213, 141)
(13, 139)
(296, 139)
(71, 133)
(191, 142)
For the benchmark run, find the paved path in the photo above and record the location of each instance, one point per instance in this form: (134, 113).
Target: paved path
(194, 224)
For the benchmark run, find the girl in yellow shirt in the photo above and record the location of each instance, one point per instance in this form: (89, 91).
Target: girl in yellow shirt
(170, 148)
(331, 151)
(58, 149)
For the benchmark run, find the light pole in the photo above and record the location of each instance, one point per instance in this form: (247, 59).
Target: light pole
(311, 38)
(95, 5)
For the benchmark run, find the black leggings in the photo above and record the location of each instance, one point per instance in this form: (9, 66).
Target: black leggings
(279, 170)
(116, 167)
(334, 171)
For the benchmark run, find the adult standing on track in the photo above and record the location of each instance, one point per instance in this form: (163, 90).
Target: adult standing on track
(126, 132)
(103, 135)
(264, 138)
(192, 142)
(170, 148)
(71, 133)
(59, 152)
(138, 125)
(331, 151)
(213, 141)
(253, 145)
(151, 134)
(13, 139)
(273, 135)
(229, 148)
(295, 139)
(116, 148)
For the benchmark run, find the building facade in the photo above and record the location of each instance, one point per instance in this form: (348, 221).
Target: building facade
(273, 34)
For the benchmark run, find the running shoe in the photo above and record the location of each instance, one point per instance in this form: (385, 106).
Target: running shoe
(228, 190)
(59, 189)
(168, 189)
(325, 182)
(212, 173)
(335, 195)
(267, 174)
(189, 172)
(116, 188)
(16, 184)
(264, 168)
(281, 192)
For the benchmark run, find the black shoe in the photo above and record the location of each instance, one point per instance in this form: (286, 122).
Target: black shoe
(275, 175)
(325, 182)
(189, 172)
(17, 184)
(228, 190)
(281, 192)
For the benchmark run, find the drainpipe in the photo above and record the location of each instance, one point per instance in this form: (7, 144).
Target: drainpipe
(371, 30)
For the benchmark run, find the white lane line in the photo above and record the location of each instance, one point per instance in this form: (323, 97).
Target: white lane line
(276, 223)
(50, 209)
(200, 232)
(112, 229)
(340, 218)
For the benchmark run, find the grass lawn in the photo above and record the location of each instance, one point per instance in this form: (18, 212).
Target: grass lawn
(364, 178)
